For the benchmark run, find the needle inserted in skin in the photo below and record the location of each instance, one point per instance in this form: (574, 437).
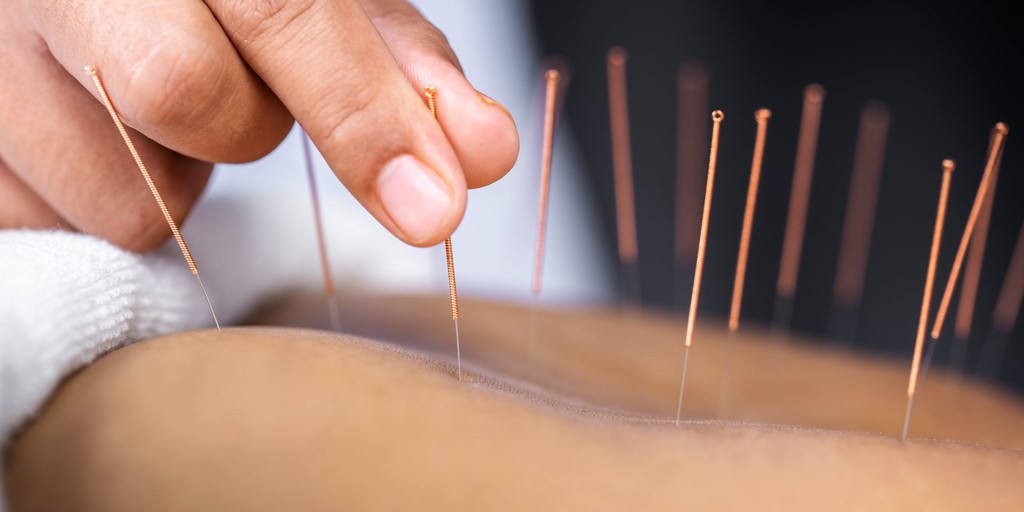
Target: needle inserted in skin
(1000, 132)
(803, 170)
(453, 294)
(94, 74)
(551, 102)
(1011, 295)
(855, 246)
(972, 272)
(622, 164)
(717, 117)
(321, 241)
(547, 150)
(761, 116)
(691, 142)
(926, 301)
(1012, 292)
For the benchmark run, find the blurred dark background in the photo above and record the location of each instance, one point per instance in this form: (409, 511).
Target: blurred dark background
(947, 71)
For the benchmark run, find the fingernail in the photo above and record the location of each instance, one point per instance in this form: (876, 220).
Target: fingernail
(415, 198)
(490, 101)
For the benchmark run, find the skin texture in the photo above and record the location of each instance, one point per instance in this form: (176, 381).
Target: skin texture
(271, 419)
(223, 81)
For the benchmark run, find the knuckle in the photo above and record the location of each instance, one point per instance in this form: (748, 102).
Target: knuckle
(255, 20)
(174, 85)
(417, 34)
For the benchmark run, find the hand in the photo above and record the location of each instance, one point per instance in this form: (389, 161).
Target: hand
(220, 81)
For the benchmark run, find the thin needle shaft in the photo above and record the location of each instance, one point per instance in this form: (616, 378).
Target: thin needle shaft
(321, 241)
(999, 137)
(458, 349)
(208, 303)
(922, 324)
(94, 74)
(717, 117)
(453, 294)
(533, 331)
(682, 384)
(723, 390)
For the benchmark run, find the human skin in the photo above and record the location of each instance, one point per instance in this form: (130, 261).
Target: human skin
(628, 360)
(271, 419)
(221, 81)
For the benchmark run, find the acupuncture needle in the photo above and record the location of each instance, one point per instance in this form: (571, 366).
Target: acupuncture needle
(796, 222)
(94, 74)
(325, 261)
(855, 245)
(622, 166)
(922, 324)
(551, 102)
(691, 142)
(453, 294)
(1000, 132)
(972, 271)
(717, 117)
(761, 117)
(973, 228)
(1011, 294)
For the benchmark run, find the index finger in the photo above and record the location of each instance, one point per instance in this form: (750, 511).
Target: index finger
(328, 64)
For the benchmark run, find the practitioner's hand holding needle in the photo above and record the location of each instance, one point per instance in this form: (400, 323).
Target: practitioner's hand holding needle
(219, 82)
